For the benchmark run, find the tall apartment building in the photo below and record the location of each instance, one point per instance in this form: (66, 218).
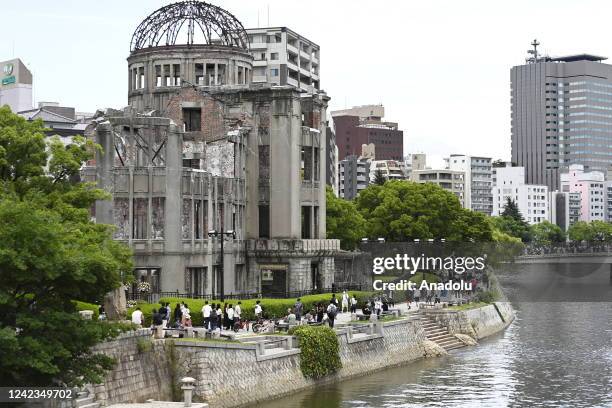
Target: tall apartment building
(451, 180)
(592, 188)
(15, 85)
(564, 208)
(353, 176)
(331, 159)
(561, 115)
(478, 180)
(532, 199)
(283, 57)
(390, 169)
(364, 125)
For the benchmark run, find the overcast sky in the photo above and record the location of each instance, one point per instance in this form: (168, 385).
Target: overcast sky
(441, 68)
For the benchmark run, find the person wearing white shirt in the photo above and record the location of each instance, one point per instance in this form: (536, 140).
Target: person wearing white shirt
(353, 304)
(137, 317)
(258, 310)
(206, 309)
(345, 301)
(230, 316)
(238, 311)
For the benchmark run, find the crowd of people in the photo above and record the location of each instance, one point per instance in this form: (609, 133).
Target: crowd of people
(229, 316)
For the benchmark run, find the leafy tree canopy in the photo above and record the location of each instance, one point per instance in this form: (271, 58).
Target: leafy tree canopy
(344, 222)
(403, 211)
(595, 231)
(547, 233)
(50, 253)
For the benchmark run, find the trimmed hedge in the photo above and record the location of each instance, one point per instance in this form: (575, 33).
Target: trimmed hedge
(272, 308)
(319, 350)
(87, 306)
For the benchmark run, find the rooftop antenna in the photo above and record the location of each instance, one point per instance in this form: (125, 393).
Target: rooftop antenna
(268, 14)
(258, 26)
(534, 52)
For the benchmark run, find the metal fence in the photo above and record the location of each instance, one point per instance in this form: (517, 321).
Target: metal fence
(155, 297)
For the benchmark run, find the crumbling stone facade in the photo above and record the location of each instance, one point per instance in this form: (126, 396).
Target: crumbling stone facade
(202, 149)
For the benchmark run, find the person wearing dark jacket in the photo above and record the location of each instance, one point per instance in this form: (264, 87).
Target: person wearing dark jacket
(178, 315)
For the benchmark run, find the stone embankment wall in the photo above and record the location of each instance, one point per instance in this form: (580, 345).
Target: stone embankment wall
(477, 323)
(231, 375)
(235, 374)
(142, 371)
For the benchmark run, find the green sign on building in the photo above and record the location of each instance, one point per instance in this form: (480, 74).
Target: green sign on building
(8, 80)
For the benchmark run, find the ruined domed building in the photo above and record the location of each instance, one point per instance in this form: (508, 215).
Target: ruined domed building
(203, 159)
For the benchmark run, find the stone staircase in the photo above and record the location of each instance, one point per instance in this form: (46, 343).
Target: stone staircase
(438, 334)
(86, 399)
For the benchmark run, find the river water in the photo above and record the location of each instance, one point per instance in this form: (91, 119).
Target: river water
(555, 354)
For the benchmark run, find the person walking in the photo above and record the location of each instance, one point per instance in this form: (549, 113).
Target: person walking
(320, 312)
(353, 304)
(178, 315)
(225, 319)
(186, 316)
(230, 317)
(158, 322)
(298, 308)
(345, 301)
(331, 314)
(206, 309)
(213, 318)
(137, 317)
(219, 316)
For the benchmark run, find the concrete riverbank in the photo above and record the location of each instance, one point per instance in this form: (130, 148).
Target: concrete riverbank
(264, 367)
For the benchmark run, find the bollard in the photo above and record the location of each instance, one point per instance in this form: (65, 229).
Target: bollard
(187, 387)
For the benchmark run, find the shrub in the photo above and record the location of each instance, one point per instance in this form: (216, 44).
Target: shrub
(87, 306)
(272, 308)
(144, 345)
(319, 350)
(485, 297)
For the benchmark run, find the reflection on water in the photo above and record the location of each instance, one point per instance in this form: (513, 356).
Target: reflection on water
(554, 354)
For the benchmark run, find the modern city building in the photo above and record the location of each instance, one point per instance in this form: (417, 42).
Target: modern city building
(451, 180)
(415, 161)
(478, 180)
(390, 169)
(364, 125)
(217, 183)
(592, 188)
(353, 176)
(564, 208)
(16, 85)
(561, 115)
(532, 199)
(283, 57)
(331, 159)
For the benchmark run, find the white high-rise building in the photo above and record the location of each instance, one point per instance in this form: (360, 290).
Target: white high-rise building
(532, 200)
(478, 180)
(15, 85)
(283, 57)
(591, 186)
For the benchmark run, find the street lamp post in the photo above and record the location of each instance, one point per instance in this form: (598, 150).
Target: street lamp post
(222, 234)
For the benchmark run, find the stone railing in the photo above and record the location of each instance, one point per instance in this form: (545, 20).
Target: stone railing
(293, 245)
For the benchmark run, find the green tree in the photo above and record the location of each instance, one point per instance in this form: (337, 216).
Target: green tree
(402, 211)
(511, 222)
(593, 232)
(546, 233)
(50, 253)
(379, 177)
(580, 231)
(344, 222)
